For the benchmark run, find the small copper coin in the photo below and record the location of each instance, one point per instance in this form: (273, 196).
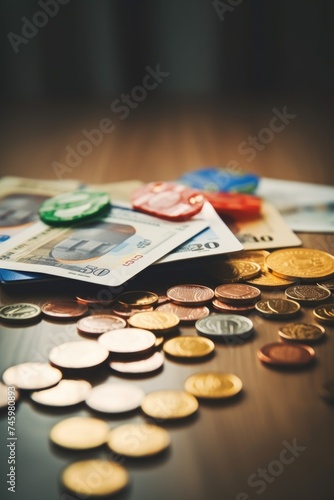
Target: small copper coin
(80, 354)
(31, 376)
(99, 323)
(190, 295)
(64, 309)
(283, 354)
(230, 309)
(66, 393)
(277, 308)
(139, 299)
(141, 366)
(327, 390)
(307, 294)
(19, 312)
(305, 332)
(115, 398)
(237, 293)
(138, 440)
(127, 341)
(80, 433)
(325, 313)
(126, 311)
(189, 346)
(185, 313)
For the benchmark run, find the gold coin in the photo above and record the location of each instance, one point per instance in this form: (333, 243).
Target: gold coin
(138, 440)
(140, 299)
(213, 385)
(232, 271)
(277, 308)
(189, 347)
(96, 477)
(269, 280)
(304, 263)
(169, 404)
(80, 433)
(301, 331)
(156, 321)
(257, 256)
(325, 313)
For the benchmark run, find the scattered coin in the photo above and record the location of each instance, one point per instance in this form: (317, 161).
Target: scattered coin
(157, 321)
(303, 263)
(327, 390)
(301, 331)
(213, 385)
(277, 308)
(99, 323)
(127, 312)
(257, 256)
(141, 366)
(128, 341)
(329, 284)
(237, 293)
(64, 309)
(31, 376)
(190, 295)
(139, 299)
(325, 313)
(78, 354)
(185, 313)
(66, 393)
(232, 271)
(8, 395)
(80, 433)
(224, 325)
(94, 477)
(138, 440)
(283, 354)
(307, 294)
(224, 308)
(19, 312)
(268, 281)
(188, 346)
(90, 300)
(169, 404)
(115, 398)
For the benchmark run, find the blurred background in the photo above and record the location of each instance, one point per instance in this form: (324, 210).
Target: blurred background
(172, 86)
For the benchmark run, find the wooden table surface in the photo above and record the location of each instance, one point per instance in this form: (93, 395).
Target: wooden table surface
(233, 450)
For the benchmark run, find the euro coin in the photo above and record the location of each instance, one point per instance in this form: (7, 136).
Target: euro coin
(139, 367)
(64, 309)
(78, 354)
(169, 404)
(128, 341)
(283, 354)
(237, 293)
(115, 398)
(185, 314)
(190, 295)
(157, 321)
(80, 433)
(213, 385)
(139, 299)
(304, 263)
(307, 294)
(19, 312)
(31, 376)
(304, 332)
(138, 440)
(188, 346)
(66, 393)
(99, 323)
(325, 313)
(220, 326)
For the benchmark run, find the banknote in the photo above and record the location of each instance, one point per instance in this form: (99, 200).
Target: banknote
(108, 250)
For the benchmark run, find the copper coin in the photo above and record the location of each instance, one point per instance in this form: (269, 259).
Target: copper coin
(229, 308)
(115, 398)
(93, 301)
(307, 294)
(325, 313)
(31, 376)
(66, 393)
(126, 311)
(190, 295)
(237, 293)
(99, 323)
(141, 366)
(304, 332)
(80, 354)
(283, 354)
(185, 313)
(64, 309)
(139, 299)
(127, 341)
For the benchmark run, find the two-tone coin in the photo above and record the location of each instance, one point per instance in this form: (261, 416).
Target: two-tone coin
(308, 295)
(66, 393)
(31, 376)
(20, 312)
(284, 354)
(190, 295)
(188, 346)
(115, 397)
(138, 440)
(99, 323)
(221, 326)
(303, 332)
(128, 341)
(169, 404)
(64, 309)
(301, 263)
(80, 433)
(186, 314)
(213, 385)
(78, 354)
(277, 308)
(325, 313)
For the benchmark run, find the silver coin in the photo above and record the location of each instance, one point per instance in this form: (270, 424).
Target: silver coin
(141, 366)
(115, 398)
(20, 312)
(224, 325)
(66, 393)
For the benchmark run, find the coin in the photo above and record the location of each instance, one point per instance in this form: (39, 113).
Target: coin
(327, 390)
(138, 440)
(329, 284)
(277, 308)
(8, 395)
(224, 308)
(31, 376)
(303, 263)
(88, 300)
(190, 295)
(237, 293)
(267, 280)
(232, 271)
(64, 309)
(80, 433)
(66, 393)
(127, 312)
(19, 312)
(185, 313)
(325, 313)
(157, 321)
(189, 346)
(139, 299)
(307, 294)
(169, 404)
(99, 323)
(115, 398)
(224, 325)
(78, 354)
(213, 385)
(141, 366)
(283, 354)
(95, 477)
(127, 341)
(73, 206)
(301, 331)
(257, 256)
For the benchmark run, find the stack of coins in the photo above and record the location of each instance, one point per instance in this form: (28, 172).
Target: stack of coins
(236, 298)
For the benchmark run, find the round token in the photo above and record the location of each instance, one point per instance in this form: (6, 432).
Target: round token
(213, 385)
(157, 321)
(224, 308)
(188, 346)
(138, 440)
(141, 366)
(64, 309)
(127, 341)
(277, 308)
(307, 294)
(190, 295)
(80, 433)
(127, 312)
(232, 271)
(9, 395)
(267, 280)
(185, 314)
(257, 256)
(138, 299)
(95, 477)
(169, 404)
(19, 312)
(325, 313)
(66, 393)
(31, 376)
(303, 263)
(99, 323)
(329, 284)
(301, 331)
(224, 325)
(73, 206)
(237, 293)
(115, 398)
(78, 354)
(327, 390)
(283, 354)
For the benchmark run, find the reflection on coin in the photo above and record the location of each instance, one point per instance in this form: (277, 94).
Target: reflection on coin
(81, 354)
(66, 393)
(232, 271)
(8, 395)
(189, 347)
(138, 440)
(237, 293)
(267, 280)
(277, 308)
(327, 390)
(325, 313)
(64, 309)
(141, 366)
(301, 331)
(99, 323)
(185, 313)
(139, 299)
(190, 295)
(257, 256)
(96, 477)
(224, 325)
(115, 398)
(31, 376)
(157, 321)
(169, 404)
(329, 284)
(80, 433)
(213, 385)
(19, 312)
(283, 354)
(224, 308)
(304, 263)
(307, 294)
(127, 312)
(127, 340)
(159, 342)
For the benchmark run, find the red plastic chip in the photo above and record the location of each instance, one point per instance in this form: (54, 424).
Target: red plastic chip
(236, 205)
